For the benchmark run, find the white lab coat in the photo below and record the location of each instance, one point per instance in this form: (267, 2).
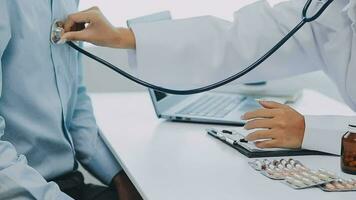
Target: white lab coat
(194, 52)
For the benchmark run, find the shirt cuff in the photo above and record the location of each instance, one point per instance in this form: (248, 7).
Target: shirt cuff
(103, 163)
(324, 133)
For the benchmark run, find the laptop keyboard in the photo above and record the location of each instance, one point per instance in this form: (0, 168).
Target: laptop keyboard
(216, 106)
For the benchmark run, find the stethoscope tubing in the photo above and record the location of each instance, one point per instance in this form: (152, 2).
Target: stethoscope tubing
(218, 84)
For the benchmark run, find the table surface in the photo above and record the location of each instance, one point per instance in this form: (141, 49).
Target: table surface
(167, 160)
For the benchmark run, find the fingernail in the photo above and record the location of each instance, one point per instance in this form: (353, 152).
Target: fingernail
(243, 117)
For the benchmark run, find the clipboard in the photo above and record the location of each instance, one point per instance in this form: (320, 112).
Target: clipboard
(233, 137)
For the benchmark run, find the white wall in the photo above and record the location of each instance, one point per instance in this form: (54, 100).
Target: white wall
(118, 11)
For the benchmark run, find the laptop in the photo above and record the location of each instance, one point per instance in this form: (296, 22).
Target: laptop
(211, 107)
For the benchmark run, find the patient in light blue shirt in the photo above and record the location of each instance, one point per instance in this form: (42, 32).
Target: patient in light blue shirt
(46, 117)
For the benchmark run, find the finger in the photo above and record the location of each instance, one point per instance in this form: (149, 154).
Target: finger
(76, 36)
(260, 113)
(268, 144)
(271, 104)
(76, 18)
(260, 135)
(259, 123)
(96, 8)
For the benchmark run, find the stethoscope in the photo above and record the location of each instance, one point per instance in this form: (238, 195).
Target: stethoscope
(57, 31)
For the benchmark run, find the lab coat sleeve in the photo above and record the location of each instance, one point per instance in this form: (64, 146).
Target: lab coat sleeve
(324, 133)
(17, 179)
(187, 53)
(91, 150)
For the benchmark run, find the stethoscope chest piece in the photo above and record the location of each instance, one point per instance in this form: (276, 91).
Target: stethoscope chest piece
(57, 31)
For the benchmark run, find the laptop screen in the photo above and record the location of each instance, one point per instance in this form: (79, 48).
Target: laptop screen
(159, 95)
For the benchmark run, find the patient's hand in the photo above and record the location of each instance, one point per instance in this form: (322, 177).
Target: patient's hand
(126, 190)
(285, 126)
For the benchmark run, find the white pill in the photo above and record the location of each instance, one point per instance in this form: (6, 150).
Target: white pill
(271, 166)
(297, 176)
(307, 181)
(315, 179)
(323, 177)
(283, 162)
(298, 183)
(266, 161)
(291, 161)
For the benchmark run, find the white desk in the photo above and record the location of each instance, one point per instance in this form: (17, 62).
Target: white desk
(168, 161)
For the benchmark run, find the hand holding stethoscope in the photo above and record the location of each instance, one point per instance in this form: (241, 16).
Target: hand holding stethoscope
(98, 30)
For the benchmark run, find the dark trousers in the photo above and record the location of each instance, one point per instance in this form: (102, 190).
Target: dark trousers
(73, 185)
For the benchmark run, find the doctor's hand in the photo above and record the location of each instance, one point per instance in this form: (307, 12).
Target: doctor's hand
(97, 30)
(283, 126)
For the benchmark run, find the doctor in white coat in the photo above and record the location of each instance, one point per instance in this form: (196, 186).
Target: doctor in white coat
(203, 50)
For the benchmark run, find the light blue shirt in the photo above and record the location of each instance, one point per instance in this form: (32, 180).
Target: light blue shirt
(46, 118)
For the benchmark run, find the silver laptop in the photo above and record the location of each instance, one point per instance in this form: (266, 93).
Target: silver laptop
(210, 107)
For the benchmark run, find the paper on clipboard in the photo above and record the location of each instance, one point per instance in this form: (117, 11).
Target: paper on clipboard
(241, 133)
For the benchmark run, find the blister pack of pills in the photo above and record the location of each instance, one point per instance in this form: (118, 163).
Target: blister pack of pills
(340, 185)
(296, 175)
(309, 178)
(277, 169)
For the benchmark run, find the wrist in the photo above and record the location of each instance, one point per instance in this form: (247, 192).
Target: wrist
(117, 179)
(125, 39)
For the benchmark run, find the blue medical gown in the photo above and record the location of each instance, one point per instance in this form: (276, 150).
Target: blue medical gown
(46, 117)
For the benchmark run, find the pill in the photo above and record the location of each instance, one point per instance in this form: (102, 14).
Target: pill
(280, 166)
(307, 181)
(322, 176)
(298, 183)
(258, 165)
(266, 161)
(275, 162)
(330, 186)
(283, 162)
(339, 186)
(271, 166)
(315, 179)
(327, 173)
(278, 171)
(305, 174)
(291, 161)
(270, 172)
(348, 186)
(297, 176)
(285, 173)
(289, 166)
(289, 179)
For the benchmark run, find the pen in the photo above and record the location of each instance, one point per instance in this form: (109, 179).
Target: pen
(227, 132)
(231, 141)
(243, 140)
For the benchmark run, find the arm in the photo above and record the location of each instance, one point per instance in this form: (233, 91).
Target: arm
(90, 147)
(17, 179)
(324, 133)
(206, 49)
